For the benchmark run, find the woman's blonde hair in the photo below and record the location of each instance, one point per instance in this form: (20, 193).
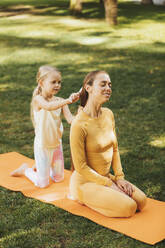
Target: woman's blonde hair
(42, 73)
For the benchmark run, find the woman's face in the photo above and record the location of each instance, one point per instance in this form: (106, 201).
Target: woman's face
(101, 89)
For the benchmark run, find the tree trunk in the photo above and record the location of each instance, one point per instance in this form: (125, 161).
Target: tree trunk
(146, 2)
(76, 6)
(111, 11)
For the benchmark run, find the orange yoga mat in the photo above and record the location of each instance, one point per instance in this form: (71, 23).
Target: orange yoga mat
(147, 226)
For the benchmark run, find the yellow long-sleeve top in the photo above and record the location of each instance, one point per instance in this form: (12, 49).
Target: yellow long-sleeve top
(94, 147)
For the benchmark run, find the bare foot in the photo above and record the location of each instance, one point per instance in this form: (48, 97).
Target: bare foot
(20, 171)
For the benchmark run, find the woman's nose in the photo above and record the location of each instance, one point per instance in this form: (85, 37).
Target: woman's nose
(108, 88)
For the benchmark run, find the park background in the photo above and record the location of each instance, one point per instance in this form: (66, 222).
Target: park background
(34, 33)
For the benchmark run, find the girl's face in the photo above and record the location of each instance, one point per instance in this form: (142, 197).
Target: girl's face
(101, 89)
(51, 84)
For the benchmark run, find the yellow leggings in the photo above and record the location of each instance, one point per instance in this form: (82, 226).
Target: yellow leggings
(105, 200)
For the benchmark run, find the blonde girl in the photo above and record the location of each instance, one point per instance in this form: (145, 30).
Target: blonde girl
(45, 112)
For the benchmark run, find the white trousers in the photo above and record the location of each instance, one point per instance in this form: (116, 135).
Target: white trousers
(49, 163)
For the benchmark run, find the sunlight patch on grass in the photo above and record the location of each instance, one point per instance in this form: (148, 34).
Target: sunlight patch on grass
(44, 10)
(122, 43)
(19, 17)
(21, 6)
(30, 19)
(140, 33)
(145, 30)
(19, 236)
(73, 22)
(158, 142)
(37, 33)
(28, 55)
(91, 40)
(5, 86)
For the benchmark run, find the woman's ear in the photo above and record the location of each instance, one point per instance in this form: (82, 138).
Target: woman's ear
(88, 88)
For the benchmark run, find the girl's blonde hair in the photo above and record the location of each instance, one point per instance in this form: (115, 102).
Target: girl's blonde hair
(42, 73)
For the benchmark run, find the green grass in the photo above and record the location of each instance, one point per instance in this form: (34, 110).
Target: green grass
(33, 33)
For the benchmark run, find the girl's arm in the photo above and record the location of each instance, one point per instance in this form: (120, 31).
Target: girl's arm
(67, 114)
(66, 111)
(40, 103)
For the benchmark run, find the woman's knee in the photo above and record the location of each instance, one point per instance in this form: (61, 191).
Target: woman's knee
(139, 197)
(125, 209)
(141, 202)
(129, 208)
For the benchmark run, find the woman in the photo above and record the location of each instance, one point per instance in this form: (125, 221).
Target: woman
(94, 149)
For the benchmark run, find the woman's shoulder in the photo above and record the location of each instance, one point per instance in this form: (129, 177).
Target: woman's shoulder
(80, 120)
(108, 112)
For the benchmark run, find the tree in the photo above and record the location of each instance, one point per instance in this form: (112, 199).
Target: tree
(111, 11)
(109, 5)
(76, 6)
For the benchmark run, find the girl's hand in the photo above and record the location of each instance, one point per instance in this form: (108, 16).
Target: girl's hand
(74, 97)
(125, 186)
(70, 99)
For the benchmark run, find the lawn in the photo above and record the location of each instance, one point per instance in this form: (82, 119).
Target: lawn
(33, 33)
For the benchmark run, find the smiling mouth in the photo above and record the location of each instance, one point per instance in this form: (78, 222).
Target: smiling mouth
(107, 94)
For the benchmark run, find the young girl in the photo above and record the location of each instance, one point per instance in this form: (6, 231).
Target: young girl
(45, 112)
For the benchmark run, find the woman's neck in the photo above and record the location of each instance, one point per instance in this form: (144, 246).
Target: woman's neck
(92, 109)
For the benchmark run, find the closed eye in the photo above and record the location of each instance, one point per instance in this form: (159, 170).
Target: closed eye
(58, 82)
(103, 84)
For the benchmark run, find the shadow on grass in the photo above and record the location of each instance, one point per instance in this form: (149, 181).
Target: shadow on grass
(127, 11)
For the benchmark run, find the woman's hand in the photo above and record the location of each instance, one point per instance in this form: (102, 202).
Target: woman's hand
(125, 186)
(115, 187)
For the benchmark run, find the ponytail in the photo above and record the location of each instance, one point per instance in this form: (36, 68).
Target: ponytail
(83, 97)
(37, 91)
